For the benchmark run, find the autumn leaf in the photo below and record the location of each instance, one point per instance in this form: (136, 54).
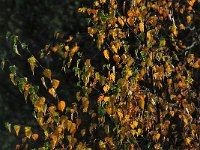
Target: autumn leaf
(55, 83)
(35, 136)
(47, 73)
(61, 105)
(106, 88)
(134, 124)
(106, 54)
(141, 26)
(17, 128)
(141, 102)
(28, 132)
(32, 62)
(52, 92)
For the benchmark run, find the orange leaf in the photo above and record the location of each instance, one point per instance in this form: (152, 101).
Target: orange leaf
(141, 26)
(35, 136)
(61, 105)
(17, 128)
(52, 92)
(55, 83)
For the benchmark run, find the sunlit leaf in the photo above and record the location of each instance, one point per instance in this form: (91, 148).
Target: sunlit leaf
(61, 105)
(35, 136)
(17, 128)
(28, 132)
(55, 83)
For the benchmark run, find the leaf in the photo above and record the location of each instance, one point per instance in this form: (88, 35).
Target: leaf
(130, 21)
(53, 140)
(134, 124)
(61, 105)
(8, 126)
(157, 136)
(116, 58)
(121, 21)
(141, 26)
(55, 83)
(188, 140)
(106, 88)
(106, 98)
(47, 73)
(189, 19)
(106, 54)
(83, 131)
(142, 102)
(17, 128)
(35, 136)
(112, 76)
(52, 92)
(28, 132)
(120, 114)
(32, 62)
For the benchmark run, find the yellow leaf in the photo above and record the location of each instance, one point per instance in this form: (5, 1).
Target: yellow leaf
(74, 50)
(61, 105)
(83, 131)
(106, 98)
(120, 20)
(85, 103)
(55, 83)
(142, 102)
(141, 26)
(35, 136)
(157, 136)
(53, 141)
(52, 92)
(189, 19)
(47, 73)
(112, 76)
(67, 48)
(134, 124)
(28, 132)
(17, 128)
(106, 88)
(106, 54)
(69, 39)
(188, 140)
(92, 31)
(120, 113)
(114, 48)
(32, 62)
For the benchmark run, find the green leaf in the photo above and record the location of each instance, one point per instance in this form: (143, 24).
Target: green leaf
(8, 126)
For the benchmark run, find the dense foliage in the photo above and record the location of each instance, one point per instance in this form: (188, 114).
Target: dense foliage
(139, 90)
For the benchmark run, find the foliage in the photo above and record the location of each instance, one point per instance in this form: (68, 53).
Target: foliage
(144, 90)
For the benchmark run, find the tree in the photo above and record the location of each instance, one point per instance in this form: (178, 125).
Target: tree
(142, 88)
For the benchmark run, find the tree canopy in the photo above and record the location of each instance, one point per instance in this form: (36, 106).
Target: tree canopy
(129, 80)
